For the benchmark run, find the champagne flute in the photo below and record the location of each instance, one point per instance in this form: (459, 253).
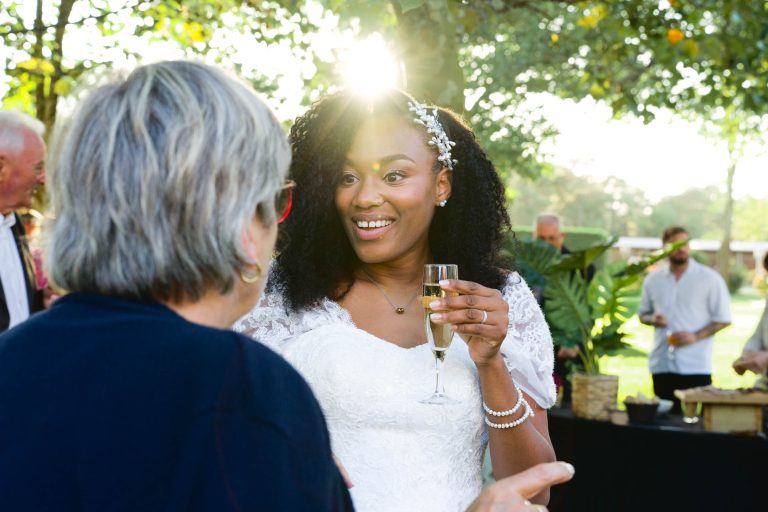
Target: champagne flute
(690, 415)
(439, 336)
(670, 346)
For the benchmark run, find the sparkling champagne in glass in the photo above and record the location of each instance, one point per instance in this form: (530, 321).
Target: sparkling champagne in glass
(439, 336)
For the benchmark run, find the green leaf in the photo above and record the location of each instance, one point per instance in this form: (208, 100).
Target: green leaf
(640, 266)
(581, 259)
(562, 339)
(537, 255)
(608, 342)
(611, 297)
(566, 303)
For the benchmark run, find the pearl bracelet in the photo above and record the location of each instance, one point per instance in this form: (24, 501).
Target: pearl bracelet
(528, 412)
(513, 410)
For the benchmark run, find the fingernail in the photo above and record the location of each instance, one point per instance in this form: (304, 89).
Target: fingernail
(443, 282)
(435, 304)
(569, 467)
(435, 317)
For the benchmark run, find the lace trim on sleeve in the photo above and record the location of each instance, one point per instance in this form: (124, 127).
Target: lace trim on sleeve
(271, 324)
(528, 350)
(268, 322)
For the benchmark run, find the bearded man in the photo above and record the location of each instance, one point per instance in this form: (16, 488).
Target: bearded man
(688, 303)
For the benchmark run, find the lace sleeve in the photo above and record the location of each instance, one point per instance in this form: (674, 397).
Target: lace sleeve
(268, 323)
(271, 324)
(527, 349)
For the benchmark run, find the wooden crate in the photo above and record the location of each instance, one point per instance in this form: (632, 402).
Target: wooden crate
(727, 410)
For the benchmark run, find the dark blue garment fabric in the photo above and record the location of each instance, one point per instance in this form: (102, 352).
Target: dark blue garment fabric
(116, 405)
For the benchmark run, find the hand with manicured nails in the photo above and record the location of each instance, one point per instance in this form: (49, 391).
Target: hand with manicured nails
(511, 494)
(478, 314)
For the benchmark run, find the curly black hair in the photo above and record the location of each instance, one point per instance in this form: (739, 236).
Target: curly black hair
(315, 259)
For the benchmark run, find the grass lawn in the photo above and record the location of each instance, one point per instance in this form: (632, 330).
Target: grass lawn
(631, 365)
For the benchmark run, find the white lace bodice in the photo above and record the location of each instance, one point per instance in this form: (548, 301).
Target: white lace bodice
(401, 454)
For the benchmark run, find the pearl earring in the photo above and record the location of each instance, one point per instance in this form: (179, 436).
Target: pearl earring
(442, 203)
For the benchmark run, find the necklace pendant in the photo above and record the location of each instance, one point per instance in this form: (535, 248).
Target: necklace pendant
(400, 310)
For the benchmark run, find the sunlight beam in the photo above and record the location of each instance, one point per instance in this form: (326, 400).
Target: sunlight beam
(369, 68)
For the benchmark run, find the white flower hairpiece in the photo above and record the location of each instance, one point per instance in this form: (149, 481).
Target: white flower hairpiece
(439, 138)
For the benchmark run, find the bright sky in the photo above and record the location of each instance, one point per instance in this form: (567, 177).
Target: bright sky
(665, 157)
(662, 158)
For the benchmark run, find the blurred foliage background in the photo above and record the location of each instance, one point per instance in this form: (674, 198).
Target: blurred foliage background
(704, 60)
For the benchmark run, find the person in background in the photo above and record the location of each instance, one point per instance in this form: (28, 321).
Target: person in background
(22, 170)
(130, 393)
(548, 228)
(687, 303)
(754, 357)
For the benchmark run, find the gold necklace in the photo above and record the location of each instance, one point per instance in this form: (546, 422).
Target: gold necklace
(398, 309)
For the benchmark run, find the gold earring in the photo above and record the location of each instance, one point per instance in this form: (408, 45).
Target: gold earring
(251, 278)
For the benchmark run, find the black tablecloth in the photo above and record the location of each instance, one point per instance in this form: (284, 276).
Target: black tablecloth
(665, 467)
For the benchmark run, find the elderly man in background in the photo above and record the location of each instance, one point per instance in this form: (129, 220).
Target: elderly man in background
(548, 228)
(22, 170)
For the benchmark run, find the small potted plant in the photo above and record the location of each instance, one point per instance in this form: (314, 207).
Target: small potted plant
(588, 316)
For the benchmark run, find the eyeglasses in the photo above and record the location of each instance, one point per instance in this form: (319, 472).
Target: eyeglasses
(284, 201)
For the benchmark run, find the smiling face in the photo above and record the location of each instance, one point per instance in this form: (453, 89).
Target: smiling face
(388, 190)
(21, 172)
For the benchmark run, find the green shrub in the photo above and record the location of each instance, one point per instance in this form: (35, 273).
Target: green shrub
(737, 276)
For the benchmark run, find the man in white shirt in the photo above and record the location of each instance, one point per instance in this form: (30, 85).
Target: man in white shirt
(688, 303)
(22, 170)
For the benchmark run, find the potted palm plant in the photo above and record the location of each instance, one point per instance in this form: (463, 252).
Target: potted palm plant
(588, 316)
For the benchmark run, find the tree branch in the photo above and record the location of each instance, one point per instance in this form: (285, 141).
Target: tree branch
(57, 54)
(531, 4)
(62, 24)
(37, 52)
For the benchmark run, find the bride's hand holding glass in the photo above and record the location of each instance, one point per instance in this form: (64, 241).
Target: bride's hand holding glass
(478, 314)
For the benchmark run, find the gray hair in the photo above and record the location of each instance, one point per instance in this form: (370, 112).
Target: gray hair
(154, 180)
(12, 126)
(547, 218)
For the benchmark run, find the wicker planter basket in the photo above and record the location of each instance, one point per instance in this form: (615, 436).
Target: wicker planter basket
(594, 396)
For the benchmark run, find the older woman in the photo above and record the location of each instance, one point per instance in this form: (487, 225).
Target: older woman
(129, 394)
(389, 185)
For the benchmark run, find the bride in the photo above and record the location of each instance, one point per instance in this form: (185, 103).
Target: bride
(385, 186)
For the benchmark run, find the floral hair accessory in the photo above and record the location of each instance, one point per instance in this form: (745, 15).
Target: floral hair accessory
(439, 138)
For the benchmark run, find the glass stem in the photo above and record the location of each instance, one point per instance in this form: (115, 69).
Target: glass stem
(439, 357)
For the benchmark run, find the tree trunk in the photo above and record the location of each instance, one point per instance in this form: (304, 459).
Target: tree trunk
(428, 48)
(65, 9)
(45, 91)
(724, 254)
(37, 53)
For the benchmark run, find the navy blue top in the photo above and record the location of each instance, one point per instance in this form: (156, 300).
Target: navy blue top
(115, 405)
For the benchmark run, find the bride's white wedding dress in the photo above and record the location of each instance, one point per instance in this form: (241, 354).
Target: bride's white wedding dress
(400, 454)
